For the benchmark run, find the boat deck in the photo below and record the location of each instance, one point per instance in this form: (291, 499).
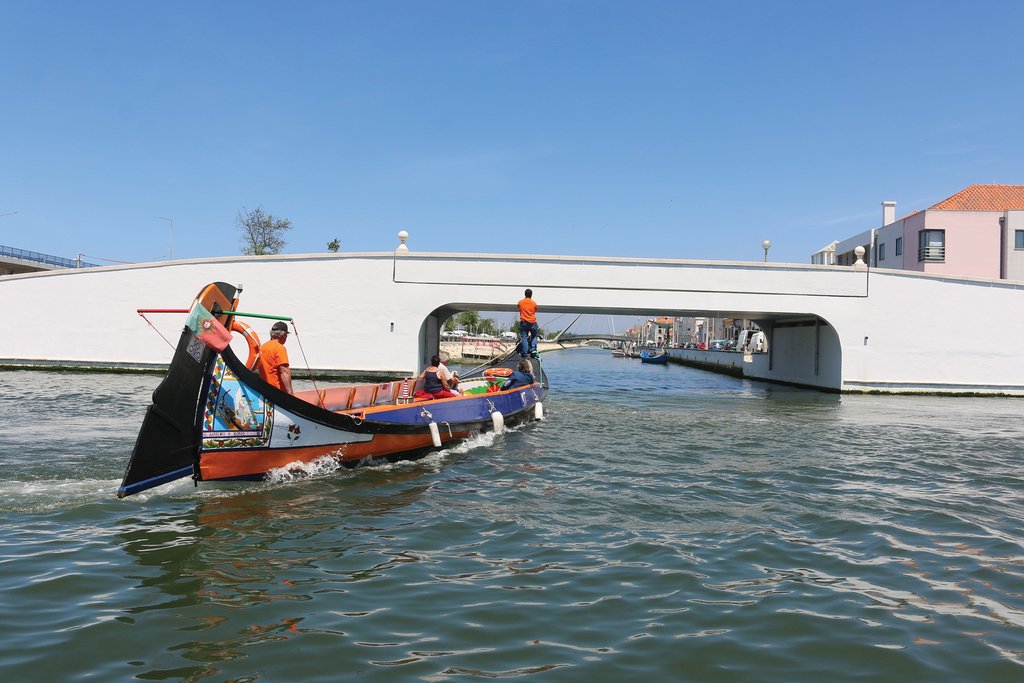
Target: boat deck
(359, 397)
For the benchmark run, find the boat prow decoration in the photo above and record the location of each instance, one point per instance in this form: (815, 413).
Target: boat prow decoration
(214, 419)
(165, 448)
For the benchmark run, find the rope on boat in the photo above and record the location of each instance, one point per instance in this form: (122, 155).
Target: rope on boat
(143, 316)
(319, 396)
(559, 335)
(514, 349)
(266, 316)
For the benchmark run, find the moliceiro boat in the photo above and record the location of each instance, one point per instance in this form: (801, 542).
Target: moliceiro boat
(214, 419)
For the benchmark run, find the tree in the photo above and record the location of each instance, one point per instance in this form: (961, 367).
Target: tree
(472, 322)
(334, 245)
(468, 320)
(261, 233)
(487, 326)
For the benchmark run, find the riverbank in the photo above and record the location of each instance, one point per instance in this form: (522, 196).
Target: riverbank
(474, 351)
(724, 362)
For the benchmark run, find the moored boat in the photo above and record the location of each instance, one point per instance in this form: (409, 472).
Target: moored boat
(214, 419)
(654, 356)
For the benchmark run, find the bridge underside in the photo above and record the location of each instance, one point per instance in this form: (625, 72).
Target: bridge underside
(803, 350)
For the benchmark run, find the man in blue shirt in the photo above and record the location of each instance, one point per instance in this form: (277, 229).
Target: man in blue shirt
(520, 377)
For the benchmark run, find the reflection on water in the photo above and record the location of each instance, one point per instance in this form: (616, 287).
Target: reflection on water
(661, 520)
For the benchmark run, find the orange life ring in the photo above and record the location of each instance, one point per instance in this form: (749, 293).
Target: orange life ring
(251, 338)
(498, 372)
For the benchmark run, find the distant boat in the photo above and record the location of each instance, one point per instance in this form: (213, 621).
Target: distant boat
(654, 356)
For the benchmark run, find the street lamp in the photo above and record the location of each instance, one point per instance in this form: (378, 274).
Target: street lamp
(766, 245)
(170, 234)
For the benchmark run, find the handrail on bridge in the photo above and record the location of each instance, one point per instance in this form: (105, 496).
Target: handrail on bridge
(44, 258)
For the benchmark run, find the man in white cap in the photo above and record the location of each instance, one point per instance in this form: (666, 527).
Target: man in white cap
(452, 377)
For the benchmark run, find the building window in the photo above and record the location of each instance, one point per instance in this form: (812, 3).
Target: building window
(1018, 239)
(899, 246)
(881, 251)
(931, 245)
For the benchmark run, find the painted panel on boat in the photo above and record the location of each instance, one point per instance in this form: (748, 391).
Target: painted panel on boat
(236, 416)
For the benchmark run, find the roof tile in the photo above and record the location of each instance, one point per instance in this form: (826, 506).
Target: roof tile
(984, 198)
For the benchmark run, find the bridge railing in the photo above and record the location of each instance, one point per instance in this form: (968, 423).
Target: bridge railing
(43, 258)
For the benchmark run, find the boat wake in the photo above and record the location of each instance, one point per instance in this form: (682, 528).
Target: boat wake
(293, 471)
(48, 495)
(327, 466)
(480, 440)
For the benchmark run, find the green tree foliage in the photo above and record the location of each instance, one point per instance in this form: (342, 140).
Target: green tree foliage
(472, 322)
(469, 320)
(261, 232)
(334, 245)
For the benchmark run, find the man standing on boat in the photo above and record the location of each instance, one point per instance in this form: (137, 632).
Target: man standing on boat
(528, 327)
(273, 361)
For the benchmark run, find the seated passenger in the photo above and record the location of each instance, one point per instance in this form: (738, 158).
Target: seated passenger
(521, 376)
(452, 377)
(435, 385)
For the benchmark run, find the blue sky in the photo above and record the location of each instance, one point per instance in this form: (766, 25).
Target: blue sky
(690, 130)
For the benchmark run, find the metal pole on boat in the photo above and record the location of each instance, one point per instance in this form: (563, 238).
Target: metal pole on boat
(260, 315)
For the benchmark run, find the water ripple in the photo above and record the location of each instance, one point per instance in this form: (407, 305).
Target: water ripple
(668, 523)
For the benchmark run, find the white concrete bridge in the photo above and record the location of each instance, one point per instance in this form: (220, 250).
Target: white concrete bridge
(830, 327)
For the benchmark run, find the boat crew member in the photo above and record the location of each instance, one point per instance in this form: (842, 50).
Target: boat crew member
(273, 361)
(522, 376)
(528, 327)
(435, 385)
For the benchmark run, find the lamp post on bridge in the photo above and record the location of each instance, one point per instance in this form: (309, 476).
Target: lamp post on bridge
(766, 245)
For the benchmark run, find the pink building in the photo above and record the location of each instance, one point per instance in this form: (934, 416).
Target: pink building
(978, 232)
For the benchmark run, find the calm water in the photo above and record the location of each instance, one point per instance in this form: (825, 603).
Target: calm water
(662, 523)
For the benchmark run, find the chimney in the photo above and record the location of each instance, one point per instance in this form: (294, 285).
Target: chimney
(888, 213)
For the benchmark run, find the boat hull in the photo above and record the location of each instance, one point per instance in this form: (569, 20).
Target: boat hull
(244, 428)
